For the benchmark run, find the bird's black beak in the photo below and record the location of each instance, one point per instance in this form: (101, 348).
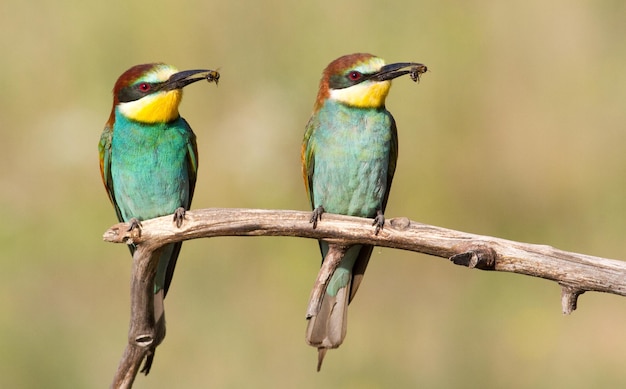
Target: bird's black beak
(393, 70)
(182, 79)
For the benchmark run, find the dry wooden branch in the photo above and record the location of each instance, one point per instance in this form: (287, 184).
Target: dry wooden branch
(576, 273)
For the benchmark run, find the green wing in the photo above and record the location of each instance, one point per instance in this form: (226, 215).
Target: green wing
(393, 158)
(104, 148)
(308, 158)
(192, 162)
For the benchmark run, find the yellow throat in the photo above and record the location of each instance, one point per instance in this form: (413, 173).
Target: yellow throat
(160, 107)
(368, 94)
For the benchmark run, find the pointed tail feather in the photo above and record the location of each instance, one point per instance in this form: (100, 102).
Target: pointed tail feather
(328, 328)
(159, 326)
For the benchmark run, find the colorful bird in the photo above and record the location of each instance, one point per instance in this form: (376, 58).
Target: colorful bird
(349, 157)
(149, 159)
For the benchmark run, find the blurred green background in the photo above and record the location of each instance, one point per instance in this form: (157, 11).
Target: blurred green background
(517, 131)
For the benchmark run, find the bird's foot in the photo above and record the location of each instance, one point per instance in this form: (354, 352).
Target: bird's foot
(316, 215)
(134, 223)
(179, 216)
(379, 221)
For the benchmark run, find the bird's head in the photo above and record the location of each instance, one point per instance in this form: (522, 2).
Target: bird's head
(361, 80)
(151, 93)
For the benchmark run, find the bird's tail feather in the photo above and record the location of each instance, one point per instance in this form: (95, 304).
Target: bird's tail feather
(159, 325)
(328, 328)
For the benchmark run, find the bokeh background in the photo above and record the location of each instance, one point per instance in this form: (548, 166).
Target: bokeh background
(517, 131)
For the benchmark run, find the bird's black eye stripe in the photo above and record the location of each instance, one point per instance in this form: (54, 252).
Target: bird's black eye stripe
(137, 91)
(346, 80)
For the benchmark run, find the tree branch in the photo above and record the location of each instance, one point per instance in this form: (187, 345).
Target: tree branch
(576, 273)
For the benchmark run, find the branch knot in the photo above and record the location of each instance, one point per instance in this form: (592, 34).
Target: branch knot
(476, 256)
(569, 298)
(144, 340)
(400, 223)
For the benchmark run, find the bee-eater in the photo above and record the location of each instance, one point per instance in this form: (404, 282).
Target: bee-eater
(149, 159)
(349, 158)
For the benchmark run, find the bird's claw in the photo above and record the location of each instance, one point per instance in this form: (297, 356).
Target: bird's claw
(316, 215)
(179, 216)
(134, 223)
(379, 221)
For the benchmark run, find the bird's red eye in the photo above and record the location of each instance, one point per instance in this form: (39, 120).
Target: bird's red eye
(144, 87)
(354, 76)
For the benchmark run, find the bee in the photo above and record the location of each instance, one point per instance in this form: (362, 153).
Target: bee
(213, 76)
(416, 71)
